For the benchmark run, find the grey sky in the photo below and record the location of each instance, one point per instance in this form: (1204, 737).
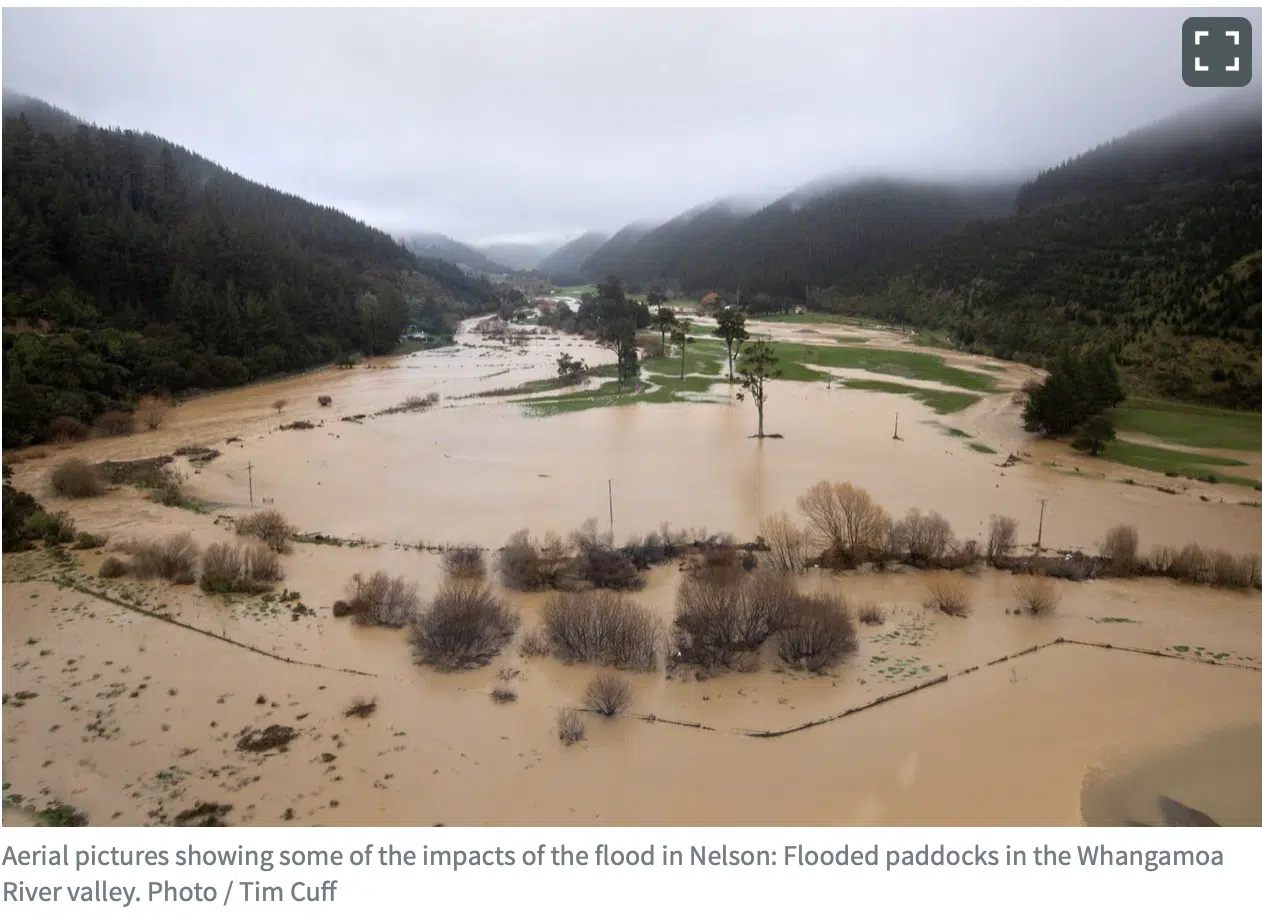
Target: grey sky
(485, 124)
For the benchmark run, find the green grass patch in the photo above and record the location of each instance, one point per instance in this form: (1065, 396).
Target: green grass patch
(1189, 465)
(956, 432)
(816, 318)
(909, 364)
(941, 402)
(1191, 425)
(850, 339)
(705, 357)
(980, 447)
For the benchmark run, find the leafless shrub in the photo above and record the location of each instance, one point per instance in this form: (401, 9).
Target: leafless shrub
(1120, 547)
(172, 558)
(361, 707)
(871, 614)
(280, 404)
(525, 564)
(341, 608)
(608, 694)
(817, 634)
(239, 569)
(502, 694)
(602, 628)
(1002, 538)
(925, 537)
(382, 600)
(717, 621)
(650, 344)
(534, 643)
(269, 526)
(76, 478)
(787, 543)
(414, 403)
(465, 626)
(1036, 595)
(1190, 564)
(950, 593)
(570, 726)
(597, 562)
(1227, 570)
(113, 567)
(1160, 559)
(152, 411)
(845, 523)
(116, 423)
(464, 562)
(325, 400)
(66, 429)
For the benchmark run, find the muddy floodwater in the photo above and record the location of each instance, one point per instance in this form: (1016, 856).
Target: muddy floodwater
(1131, 690)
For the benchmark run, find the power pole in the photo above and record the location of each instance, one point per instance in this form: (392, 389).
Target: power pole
(896, 436)
(1042, 506)
(611, 509)
(249, 468)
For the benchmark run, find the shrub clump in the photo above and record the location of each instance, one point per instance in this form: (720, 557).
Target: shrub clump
(950, 594)
(1036, 595)
(382, 600)
(871, 614)
(924, 537)
(239, 569)
(527, 565)
(66, 429)
(1120, 548)
(50, 528)
(502, 694)
(116, 423)
(817, 634)
(845, 523)
(597, 562)
(1227, 570)
(608, 694)
(465, 626)
(534, 643)
(600, 628)
(87, 540)
(570, 726)
(464, 562)
(76, 478)
(152, 411)
(113, 567)
(325, 400)
(270, 527)
(172, 558)
(786, 542)
(1001, 539)
(719, 621)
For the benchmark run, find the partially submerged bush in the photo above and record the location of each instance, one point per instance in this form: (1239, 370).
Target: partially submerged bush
(325, 400)
(601, 628)
(1002, 538)
(950, 593)
(50, 528)
(527, 565)
(1227, 570)
(116, 423)
(534, 643)
(597, 562)
(269, 526)
(786, 542)
(112, 567)
(502, 694)
(817, 634)
(382, 600)
(464, 562)
(608, 694)
(171, 558)
(1120, 548)
(871, 614)
(924, 537)
(570, 726)
(1036, 595)
(718, 621)
(88, 540)
(465, 626)
(1190, 563)
(239, 569)
(846, 524)
(76, 478)
(152, 411)
(66, 429)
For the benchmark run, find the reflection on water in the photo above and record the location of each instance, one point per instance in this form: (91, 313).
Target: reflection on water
(1216, 775)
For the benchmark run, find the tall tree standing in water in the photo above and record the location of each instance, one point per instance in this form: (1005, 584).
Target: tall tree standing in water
(759, 364)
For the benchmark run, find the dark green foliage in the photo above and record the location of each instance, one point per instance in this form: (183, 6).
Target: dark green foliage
(1095, 435)
(19, 507)
(759, 364)
(50, 528)
(730, 328)
(1078, 387)
(614, 320)
(570, 368)
(135, 266)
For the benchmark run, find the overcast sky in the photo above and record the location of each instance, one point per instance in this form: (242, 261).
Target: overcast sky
(486, 124)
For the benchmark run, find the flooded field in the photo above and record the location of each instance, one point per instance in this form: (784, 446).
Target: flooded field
(1138, 689)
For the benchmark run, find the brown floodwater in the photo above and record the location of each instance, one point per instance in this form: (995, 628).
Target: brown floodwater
(134, 719)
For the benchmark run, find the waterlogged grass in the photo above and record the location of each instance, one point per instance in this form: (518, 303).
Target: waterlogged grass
(908, 364)
(1191, 425)
(980, 447)
(941, 402)
(1175, 462)
(956, 432)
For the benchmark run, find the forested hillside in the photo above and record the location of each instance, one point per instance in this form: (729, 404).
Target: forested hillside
(565, 266)
(133, 266)
(1151, 243)
(436, 245)
(603, 262)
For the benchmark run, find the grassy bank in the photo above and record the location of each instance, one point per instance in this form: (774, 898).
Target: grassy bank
(1197, 426)
(1176, 463)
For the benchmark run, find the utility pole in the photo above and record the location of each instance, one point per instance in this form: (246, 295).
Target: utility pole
(249, 468)
(896, 436)
(1042, 506)
(611, 509)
